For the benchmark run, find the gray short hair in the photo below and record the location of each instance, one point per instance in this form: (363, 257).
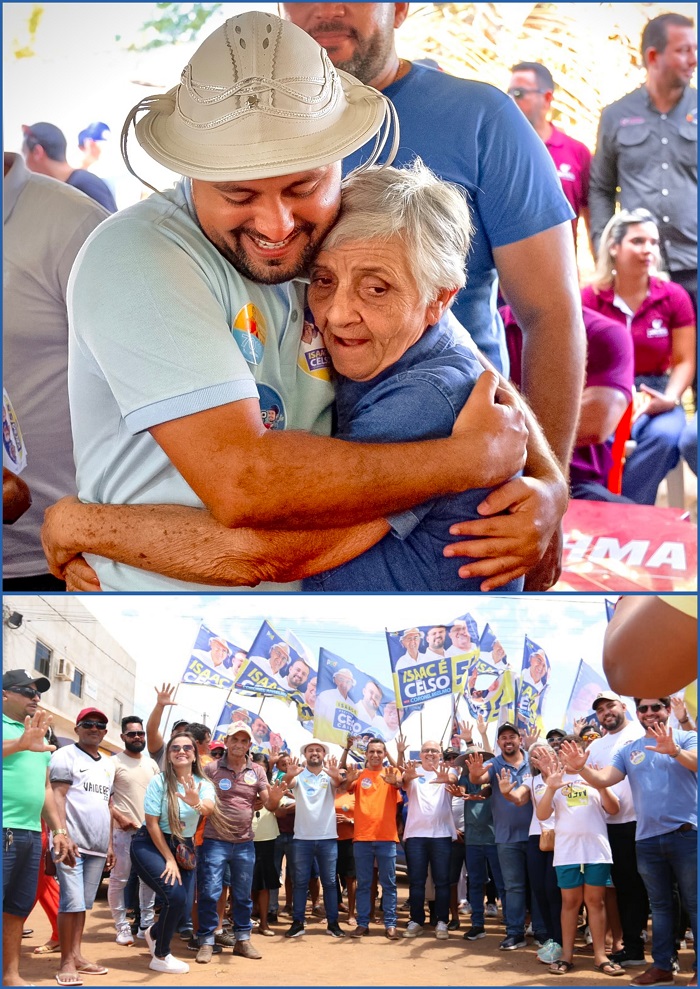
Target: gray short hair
(431, 217)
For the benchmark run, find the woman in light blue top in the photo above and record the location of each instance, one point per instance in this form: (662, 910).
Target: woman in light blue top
(175, 801)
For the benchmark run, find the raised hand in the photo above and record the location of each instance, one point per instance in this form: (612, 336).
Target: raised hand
(293, 770)
(165, 696)
(465, 732)
(191, 794)
(529, 738)
(333, 770)
(663, 736)
(579, 725)
(505, 783)
(443, 774)
(35, 728)
(401, 743)
(679, 709)
(573, 757)
(481, 724)
(455, 790)
(351, 774)
(391, 776)
(410, 772)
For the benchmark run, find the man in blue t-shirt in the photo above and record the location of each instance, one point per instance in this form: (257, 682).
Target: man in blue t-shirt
(472, 134)
(662, 770)
(44, 151)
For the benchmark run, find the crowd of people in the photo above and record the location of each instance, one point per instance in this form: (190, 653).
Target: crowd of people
(286, 375)
(193, 833)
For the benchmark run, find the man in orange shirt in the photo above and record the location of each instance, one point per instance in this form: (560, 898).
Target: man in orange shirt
(377, 800)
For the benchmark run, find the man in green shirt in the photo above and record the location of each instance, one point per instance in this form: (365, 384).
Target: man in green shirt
(26, 798)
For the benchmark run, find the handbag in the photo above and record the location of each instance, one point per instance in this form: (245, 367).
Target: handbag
(185, 857)
(547, 840)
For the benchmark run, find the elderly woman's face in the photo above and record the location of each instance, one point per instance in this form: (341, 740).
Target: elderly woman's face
(367, 304)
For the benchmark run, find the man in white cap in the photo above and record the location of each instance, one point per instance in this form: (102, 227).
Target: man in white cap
(411, 640)
(228, 839)
(335, 707)
(315, 832)
(200, 330)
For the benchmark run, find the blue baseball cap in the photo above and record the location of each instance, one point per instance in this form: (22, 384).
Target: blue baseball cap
(96, 131)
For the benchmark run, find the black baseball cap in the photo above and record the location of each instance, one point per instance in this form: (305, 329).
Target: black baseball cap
(506, 726)
(556, 731)
(21, 678)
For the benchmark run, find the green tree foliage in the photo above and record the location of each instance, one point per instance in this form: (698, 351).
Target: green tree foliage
(175, 23)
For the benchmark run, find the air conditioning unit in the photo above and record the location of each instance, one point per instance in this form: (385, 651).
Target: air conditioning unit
(65, 670)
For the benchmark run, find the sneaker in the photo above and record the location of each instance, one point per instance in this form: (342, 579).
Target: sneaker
(225, 940)
(453, 925)
(194, 945)
(335, 930)
(246, 950)
(413, 929)
(441, 931)
(272, 917)
(511, 943)
(628, 961)
(654, 977)
(491, 910)
(141, 932)
(675, 965)
(550, 952)
(528, 930)
(124, 935)
(474, 933)
(205, 954)
(169, 965)
(295, 930)
(185, 934)
(149, 941)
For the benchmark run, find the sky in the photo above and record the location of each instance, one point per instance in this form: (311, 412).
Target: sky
(158, 631)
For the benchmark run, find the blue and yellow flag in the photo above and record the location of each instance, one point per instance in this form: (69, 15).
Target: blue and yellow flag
(534, 678)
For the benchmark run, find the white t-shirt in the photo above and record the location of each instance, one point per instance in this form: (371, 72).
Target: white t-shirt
(87, 800)
(315, 807)
(601, 751)
(429, 808)
(579, 819)
(536, 785)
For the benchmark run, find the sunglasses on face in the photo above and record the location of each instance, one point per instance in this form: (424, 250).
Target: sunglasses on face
(517, 92)
(30, 692)
(134, 734)
(182, 748)
(643, 708)
(93, 724)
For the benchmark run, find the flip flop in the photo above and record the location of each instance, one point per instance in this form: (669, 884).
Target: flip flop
(27, 932)
(69, 979)
(93, 970)
(610, 968)
(560, 968)
(47, 949)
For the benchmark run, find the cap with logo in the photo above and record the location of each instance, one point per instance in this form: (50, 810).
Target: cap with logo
(605, 695)
(237, 726)
(94, 712)
(22, 678)
(96, 131)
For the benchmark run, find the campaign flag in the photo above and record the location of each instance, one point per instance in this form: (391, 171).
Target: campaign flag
(271, 666)
(587, 685)
(610, 608)
(421, 668)
(462, 645)
(213, 661)
(534, 677)
(503, 710)
(264, 738)
(350, 702)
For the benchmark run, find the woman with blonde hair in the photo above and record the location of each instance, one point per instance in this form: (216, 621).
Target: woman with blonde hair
(630, 287)
(162, 849)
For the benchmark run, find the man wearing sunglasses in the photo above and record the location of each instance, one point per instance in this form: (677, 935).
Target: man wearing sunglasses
(532, 87)
(26, 798)
(82, 780)
(133, 771)
(662, 770)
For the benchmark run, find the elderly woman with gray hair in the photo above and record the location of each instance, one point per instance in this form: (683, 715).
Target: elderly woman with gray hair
(380, 292)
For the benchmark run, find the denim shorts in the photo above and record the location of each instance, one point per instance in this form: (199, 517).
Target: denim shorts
(79, 884)
(571, 876)
(22, 860)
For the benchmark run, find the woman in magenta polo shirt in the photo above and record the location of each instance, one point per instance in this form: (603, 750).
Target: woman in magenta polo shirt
(629, 288)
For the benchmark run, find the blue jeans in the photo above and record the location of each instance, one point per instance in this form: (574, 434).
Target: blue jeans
(212, 857)
(544, 891)
(660, 860)
(283, 849)
(149, 864)
(657, 451)
(325, 851)
(421, 852)
(476, 858)
(513, 859)
(385, 854)
(21, 862)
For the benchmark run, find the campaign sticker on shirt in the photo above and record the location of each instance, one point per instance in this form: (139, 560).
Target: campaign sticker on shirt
(366, 783)
(576, 795)
(250, 777)
(225, 784)
(314, 359)
(637, 757)
(421, 779)
(250, 332)
(657, 329)
(271, 408)
(14, 454)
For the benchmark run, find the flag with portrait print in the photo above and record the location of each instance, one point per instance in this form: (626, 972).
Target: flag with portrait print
(214, 661)
(350, 702)
(266, 671)
(265, 738)
(422, 670)
(462, 646)
(532, 687)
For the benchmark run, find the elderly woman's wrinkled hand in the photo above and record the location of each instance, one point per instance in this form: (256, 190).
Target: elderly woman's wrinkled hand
(492, 427)
(506, 546)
